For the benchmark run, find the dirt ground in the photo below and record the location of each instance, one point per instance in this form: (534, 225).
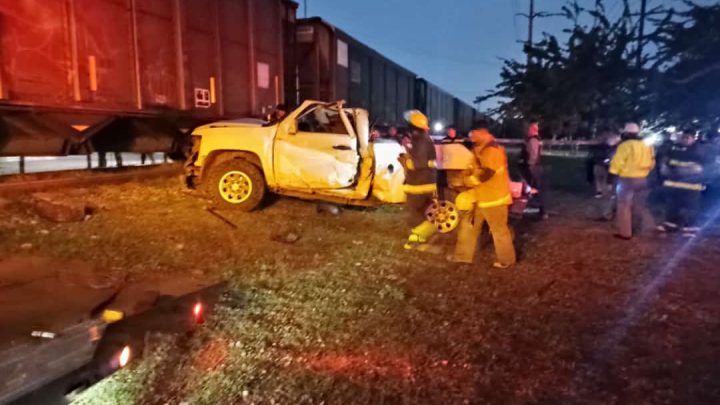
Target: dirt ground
(344, 315)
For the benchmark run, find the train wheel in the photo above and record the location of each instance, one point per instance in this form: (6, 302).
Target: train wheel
(236, 184)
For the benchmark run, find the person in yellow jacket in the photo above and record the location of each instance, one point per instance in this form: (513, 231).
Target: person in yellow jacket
(487, 200)
(420, 180)
(632, 163)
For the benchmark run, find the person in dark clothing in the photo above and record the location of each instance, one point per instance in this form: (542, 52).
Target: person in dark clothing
(600, 157)
(655, 180)
(420, 181)
(530, 164)
(392, 133)
(684, 181)
(277, 115)
(451, 136)
(710, 146)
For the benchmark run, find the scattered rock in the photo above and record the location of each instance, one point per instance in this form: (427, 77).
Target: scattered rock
(57, 211)
(26, 246)
(44, 232)
(324, 208)
(179, 246)
(287, 236)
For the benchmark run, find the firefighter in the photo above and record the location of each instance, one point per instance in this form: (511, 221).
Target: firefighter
(632, 163)
(420, 180)
(487, 200)
(683, 173)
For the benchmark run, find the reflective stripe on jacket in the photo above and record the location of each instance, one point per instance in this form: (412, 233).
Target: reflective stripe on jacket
(419, 188)
(683, 185)
(633, 159)
(420, 174)
(685, 167)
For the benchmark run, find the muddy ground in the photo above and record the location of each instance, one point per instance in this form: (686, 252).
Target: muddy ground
(343, 315)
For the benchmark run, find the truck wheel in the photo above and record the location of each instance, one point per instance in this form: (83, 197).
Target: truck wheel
(237, 184)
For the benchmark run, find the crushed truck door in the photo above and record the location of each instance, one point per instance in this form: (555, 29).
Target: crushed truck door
(317, 148)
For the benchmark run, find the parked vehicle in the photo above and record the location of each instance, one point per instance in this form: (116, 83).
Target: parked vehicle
(320, 151)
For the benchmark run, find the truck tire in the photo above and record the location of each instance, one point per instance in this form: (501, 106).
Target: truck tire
(236, 184)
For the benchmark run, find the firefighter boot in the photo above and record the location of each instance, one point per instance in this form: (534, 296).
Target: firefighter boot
(418, 239)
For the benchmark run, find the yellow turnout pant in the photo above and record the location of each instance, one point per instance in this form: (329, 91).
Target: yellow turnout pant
(471, 223)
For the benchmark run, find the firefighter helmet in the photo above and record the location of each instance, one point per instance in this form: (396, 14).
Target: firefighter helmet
(417, 119)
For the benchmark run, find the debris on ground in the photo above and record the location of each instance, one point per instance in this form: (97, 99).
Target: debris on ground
(221, 217)
(53, 208)
(324, 208)
(288, 236)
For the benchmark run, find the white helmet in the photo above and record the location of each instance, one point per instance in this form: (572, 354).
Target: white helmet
(631, 128)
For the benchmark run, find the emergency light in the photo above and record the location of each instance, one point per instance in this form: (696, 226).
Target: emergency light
(124, 357)
(197, 312)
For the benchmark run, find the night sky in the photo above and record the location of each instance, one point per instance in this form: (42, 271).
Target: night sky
(457, 44)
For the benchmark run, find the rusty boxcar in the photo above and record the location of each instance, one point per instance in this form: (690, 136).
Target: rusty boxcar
(129, 75)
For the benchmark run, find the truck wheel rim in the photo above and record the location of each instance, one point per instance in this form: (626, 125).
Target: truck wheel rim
(235, 187)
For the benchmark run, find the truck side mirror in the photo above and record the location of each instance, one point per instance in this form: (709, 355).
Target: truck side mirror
(292, 128)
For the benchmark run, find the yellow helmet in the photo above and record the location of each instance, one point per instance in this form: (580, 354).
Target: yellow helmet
(417, 119)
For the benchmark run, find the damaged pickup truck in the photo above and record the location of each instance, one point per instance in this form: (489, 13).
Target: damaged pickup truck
(320, 151)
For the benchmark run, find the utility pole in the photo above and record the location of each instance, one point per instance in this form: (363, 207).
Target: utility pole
(305, 7)
(531, 16)
(531, 20)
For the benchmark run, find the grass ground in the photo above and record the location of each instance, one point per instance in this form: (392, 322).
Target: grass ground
(345, 316)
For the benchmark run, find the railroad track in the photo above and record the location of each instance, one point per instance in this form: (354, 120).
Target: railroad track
(56, 180)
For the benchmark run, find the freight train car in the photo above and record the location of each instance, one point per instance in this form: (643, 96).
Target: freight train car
(464, 115)
(438, 104)
(127, 75)
(332, 65)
